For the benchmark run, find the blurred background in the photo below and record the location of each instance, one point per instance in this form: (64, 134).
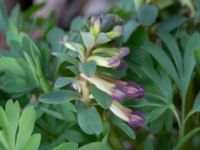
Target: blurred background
(64, 11)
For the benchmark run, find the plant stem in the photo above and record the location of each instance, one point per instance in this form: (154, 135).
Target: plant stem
(185, 121)
(186, 138)
(181, 130)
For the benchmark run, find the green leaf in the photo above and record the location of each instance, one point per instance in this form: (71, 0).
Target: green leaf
(12, 66)
(26, 126)
(124, 127)
(57, 97)
(63, 81)
(102, 98)
(16, 131)
(156, 113)
(189, 61)
(90, 121)
(172, 45)
(3, 142)
(53, 113)
(13, 114)
(173, 22)
(66, 58)
(148, 144)
(147, 14)
(94, 146)
(69, 106)
(67, 146)
(74, 136)
(102, 38)
(162, 58)
(3, 17)
(13, 84)
(156, 125)
(88, 40)
(78, 23)
(14, 19)
(88, 68)
(13, 40)
(18, 77)
(197, 58)
(196, 105)
(53, 38)
(169, 120)
(128, 29)
(33, 143)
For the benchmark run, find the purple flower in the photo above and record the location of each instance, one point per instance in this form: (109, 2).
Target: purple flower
(134, 118)
(116, 88)
(130, 89)
(124, 51)
(63, 39)
(118, 95)
(116, 61)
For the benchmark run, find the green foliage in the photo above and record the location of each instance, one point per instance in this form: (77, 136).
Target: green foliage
(88, 68)
(89, 121)
(103, 99)
(147, 14)
(124, 127)
(58, 97)
(65, 146)
(73, 77)
(16, 130)
(94, 146)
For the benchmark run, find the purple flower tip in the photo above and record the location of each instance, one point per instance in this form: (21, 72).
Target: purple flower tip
(136, 119)
(130, 89)
(118, 95)
(134, 90)
(63, 39)
(94, 19)
(124, 51)
(114, 61)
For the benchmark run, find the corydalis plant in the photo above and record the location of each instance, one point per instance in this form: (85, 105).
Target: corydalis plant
(99, 48)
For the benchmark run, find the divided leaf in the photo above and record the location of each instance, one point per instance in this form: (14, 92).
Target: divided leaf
(17, 130)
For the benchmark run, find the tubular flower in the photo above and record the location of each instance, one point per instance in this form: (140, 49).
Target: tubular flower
(134, 118)
(118, 90)
(112, 57)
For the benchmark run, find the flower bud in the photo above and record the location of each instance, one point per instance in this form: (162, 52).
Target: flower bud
(115, 33)
(64, 39)
(134, 118)
(109, 62)
(72, 46)
(95, 25)
(117, 89)
(131, 89)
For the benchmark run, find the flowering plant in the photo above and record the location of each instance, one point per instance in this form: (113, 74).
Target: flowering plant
(126, 79)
